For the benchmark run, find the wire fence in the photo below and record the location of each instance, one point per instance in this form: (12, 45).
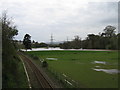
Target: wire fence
(61, 77)
(64, 79)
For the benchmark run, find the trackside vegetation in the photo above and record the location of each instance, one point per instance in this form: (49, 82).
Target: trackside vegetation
(13, 74)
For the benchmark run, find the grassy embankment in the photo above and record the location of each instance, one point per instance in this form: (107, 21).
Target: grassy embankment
(14, 74)
(78, 65)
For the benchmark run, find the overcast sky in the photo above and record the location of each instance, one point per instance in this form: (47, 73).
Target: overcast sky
(62, 18)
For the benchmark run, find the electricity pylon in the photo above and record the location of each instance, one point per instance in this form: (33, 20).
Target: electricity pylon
(51, 39)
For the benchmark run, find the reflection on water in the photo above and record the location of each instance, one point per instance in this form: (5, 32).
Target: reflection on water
(58, 48)
(110, 71)
(97, 66)
(51, 58)
(100, 62)
(42, 49)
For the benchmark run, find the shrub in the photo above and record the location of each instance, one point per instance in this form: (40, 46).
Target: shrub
(44, 64)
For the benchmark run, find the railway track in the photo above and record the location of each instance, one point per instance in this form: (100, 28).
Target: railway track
(42, 81)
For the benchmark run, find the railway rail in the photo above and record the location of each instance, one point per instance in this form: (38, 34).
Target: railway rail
(42, 81)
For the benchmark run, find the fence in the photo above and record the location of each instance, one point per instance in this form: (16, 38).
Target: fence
(64, 79)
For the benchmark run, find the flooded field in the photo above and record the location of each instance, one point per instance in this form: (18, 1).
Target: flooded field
(91, 69)
(52, 49)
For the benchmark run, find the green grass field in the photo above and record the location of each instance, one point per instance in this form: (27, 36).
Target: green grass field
(79, 65)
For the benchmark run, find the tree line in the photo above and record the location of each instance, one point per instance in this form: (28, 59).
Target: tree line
(108, 39)
(28, 44)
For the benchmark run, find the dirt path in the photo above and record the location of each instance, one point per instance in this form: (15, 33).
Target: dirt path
(38, 79)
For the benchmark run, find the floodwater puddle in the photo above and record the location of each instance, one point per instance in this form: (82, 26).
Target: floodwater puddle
(52, 59)
(99, 62)
(97, 66)
(110, 71)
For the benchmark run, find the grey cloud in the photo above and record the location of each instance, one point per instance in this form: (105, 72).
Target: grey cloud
(61, 18)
